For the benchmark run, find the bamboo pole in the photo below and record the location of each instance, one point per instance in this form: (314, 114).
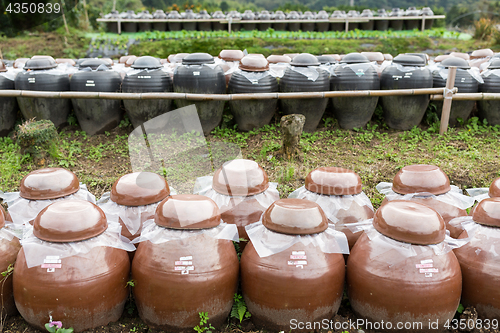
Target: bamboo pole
(218, 97)
(448, 96)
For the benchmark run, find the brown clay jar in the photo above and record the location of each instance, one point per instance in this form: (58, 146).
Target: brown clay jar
(139, 189)
(276, 291)
(241, 178)
(422, 178)
(171, 299)
(393, 287)
(85, 290)
(8, 255)
(480, 262)
(338, 182)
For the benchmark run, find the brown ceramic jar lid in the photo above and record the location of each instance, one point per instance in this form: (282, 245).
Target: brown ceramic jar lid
(231, 55)
(139, 189)
(335, 56)
(276, 59)
(48, 183)
(333, 181)
(240, 177)
(253, 63)
(483, 53)
(487, 212)
(421, 178)
(410, 222)
(462, 55)
(69, 221)
(374, 56)
(2, 67)
(2, 217)
(187, 211)
(495, 188)
(130, 61)
(442, 57)
(295, 217)
(388, 56)
(123, 59)
(291, 55)
(65, 61)
(20, 62)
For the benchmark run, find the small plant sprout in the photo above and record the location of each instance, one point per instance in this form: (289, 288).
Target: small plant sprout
(204, 326)
(239, 309)
(56, 327)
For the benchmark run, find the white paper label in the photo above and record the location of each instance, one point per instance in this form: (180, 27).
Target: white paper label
(184, 265)
(196, 73)
(51, 263)
(144, 76)
(31, 80)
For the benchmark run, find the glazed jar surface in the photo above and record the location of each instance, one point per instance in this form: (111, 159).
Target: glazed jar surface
(171, 301)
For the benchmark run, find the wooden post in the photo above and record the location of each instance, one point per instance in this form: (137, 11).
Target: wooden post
(448, 95)
(292, 126)
(87, 21)
(346, 24)
(64, 17)
(423, 23)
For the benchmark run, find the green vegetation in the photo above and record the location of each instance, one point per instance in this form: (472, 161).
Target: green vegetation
(239, 309)
(276, 45)
(204, 326)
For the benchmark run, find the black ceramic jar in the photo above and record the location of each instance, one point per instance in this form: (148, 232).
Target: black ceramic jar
(41, 74)
(304, 75)
(96, 116)
(354, 73)
(198, 74)
(147, 76)
(465, 83)
(405, 72)
(254, 77)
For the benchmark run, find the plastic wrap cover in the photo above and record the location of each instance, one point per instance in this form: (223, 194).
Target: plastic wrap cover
(453, 197)
(203, 186)
(10, 230)
(358, 69)
(331, 204)
(100, 68)
(489, 72)
(267, 242)
(385, 244)
(130, 215)
(23, 210)
(311, 72)
(157, 234)
(211, 66)
(405, 69)
(478, 194)
(278, 70)
(477, 233)
(135, 71)
(253, 77)
(37, 250)
(52, 71)
(10, 74)
(474, 72)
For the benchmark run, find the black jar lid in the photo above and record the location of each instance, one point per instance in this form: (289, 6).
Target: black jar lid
(354, 58)
(326, 59)
(95, 63)
(455, 61)
(45, 62)
(304, 60)
(174, 15)
(218, 14)
(146, 62)
(494, 64)
(409, 60)
(198, 59)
